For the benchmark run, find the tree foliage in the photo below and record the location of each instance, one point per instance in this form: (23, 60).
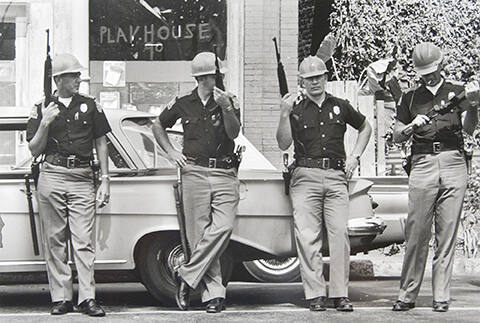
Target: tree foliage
(370, 29)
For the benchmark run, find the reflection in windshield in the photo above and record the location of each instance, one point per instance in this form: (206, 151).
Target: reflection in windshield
(139, 132)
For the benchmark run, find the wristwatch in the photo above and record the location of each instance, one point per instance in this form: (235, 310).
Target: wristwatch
(104, 177)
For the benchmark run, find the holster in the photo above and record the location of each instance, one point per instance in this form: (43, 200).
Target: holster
(287, 177)
(468, 160)
(35, 171)
(407, 164)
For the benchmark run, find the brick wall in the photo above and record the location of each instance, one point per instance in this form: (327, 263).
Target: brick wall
(265, 19)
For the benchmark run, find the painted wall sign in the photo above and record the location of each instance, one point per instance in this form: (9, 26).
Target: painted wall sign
(156, 30)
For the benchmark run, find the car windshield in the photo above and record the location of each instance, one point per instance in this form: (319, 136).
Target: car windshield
(139, 132)
(14, 152)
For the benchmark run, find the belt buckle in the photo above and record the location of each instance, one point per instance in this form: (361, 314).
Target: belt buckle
(436, 147)
(71, 161)
(212, 163)
(325, 163)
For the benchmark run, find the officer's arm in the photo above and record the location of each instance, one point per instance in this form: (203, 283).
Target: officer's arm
(470, 115)
(364, 133)
(102, 151)
(39, 141)
(470, 119)
(161, 137)
(398, 132)
(231, 123)
(284, 130)
(229, 105)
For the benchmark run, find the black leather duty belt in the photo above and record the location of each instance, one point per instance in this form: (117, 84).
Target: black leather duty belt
(432, 148)
(224, 162)
(70, 161)
(323, 163)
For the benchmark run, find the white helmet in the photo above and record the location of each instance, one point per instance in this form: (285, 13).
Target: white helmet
(312, 66)
(204, 64)
(65, 63)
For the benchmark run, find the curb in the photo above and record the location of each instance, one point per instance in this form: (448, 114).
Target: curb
(385, 266)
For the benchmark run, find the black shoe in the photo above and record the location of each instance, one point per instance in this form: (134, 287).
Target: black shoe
(62, 307)
(216, 305)
(343, 304)
(182, 297)
(91, 308)
(440, 306)
(402, 306)
(318, 304)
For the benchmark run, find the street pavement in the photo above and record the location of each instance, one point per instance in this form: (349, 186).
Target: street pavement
(249, 302)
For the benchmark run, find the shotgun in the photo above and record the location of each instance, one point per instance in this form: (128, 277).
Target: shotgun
(218, 74)
(177, 190)
(282, 79)
(33, 226)
(47, 74)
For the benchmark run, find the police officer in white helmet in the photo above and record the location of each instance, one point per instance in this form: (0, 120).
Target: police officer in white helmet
(211, 120)
(319, 186)
(65, 132)
(438, 176)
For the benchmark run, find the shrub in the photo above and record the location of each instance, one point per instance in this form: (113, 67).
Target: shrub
(370, 29)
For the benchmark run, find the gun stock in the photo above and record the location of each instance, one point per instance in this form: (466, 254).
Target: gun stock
(33, 226)
(177, 190)
(282, 78)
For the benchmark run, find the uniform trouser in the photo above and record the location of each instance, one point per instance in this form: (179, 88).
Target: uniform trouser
(67, 209)
(210, 199)
(437, 186)
(321, 196)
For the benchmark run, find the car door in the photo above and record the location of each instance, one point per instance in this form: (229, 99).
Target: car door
(16, 226)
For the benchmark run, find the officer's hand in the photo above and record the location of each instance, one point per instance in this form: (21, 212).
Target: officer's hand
(286, 104)
(420, 120)
(221, 97)
(177, 158)
(472, 92)
(50, 113)
(351, 163)
(103, 193)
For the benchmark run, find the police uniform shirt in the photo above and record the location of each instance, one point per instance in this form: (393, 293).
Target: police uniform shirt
(421, 101)
(318, 131)
(73, 130)
(203, 126)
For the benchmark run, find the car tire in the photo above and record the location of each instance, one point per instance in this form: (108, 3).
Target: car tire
(280, 270)
(157, 257)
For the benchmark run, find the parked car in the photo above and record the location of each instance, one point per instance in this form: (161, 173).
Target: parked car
(138, 229)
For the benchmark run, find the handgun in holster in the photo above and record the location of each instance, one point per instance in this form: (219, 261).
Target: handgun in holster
(468, 152)
(35, 171)
(239, 155)
(287, 173)
(407, 164)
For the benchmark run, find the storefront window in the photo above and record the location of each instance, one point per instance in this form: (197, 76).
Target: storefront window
(7, 64)
(156, 30)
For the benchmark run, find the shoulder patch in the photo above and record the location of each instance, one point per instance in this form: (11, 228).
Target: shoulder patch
(87, 96)
(99, 107)
(170, 104)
